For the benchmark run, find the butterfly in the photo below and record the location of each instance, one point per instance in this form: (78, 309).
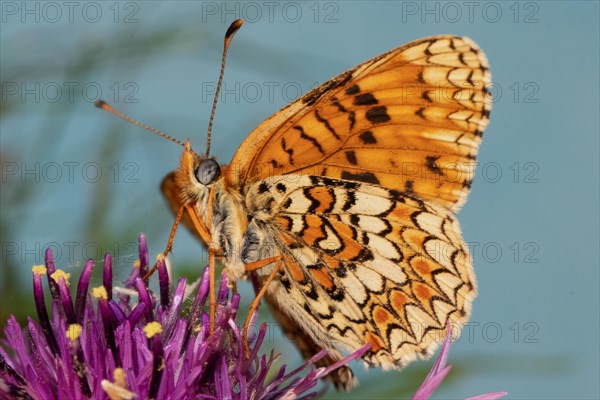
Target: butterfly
(342, 204)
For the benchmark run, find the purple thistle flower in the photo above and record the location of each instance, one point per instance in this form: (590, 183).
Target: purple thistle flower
(440, 370)
(130, 343)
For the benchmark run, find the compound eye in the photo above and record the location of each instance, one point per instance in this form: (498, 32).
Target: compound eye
(208, 171)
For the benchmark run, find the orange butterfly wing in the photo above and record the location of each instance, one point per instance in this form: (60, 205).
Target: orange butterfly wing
(410, 119)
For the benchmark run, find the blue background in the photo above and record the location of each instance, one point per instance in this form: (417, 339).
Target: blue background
(531, 220)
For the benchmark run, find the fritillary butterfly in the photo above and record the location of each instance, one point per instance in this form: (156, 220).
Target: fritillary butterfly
(343, 203)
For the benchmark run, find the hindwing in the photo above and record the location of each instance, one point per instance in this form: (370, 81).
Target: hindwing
(365, 264)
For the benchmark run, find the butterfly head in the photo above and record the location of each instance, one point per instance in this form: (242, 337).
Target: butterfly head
(196, 174)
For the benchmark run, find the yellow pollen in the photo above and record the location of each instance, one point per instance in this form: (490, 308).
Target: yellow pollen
(137, 263)
(116, 392)
(160, 257)
(152, 328)
(61, 274)
(99, 292)
(38, 269)
(73, 332)
(120, 378)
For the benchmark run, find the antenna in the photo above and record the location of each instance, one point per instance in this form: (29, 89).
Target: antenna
(106, 107)
(231, 31)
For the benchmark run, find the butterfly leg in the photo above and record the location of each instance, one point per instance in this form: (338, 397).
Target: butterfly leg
(200, 227)
(211, 262)
(206, 237)
(253, 267)
(213, 296)
(169, 243)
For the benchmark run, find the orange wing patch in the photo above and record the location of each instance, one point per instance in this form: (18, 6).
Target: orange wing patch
(324, 198)
(321, 275)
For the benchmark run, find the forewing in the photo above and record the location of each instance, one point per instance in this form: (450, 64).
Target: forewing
(410, 119)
